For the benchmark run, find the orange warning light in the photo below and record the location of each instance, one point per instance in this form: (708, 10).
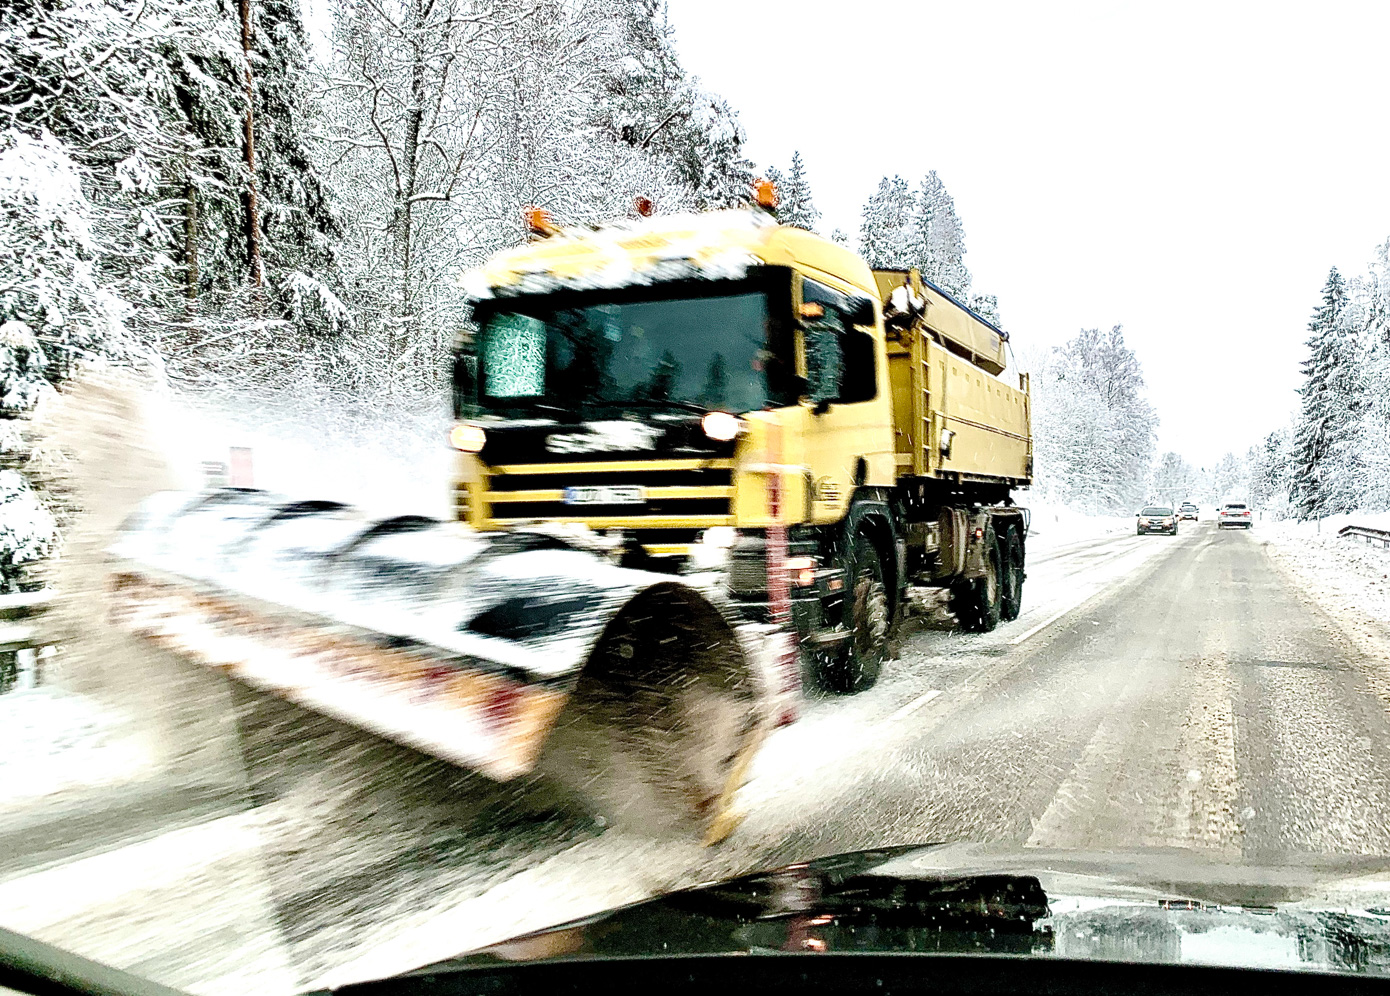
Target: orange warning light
(539, 221)
(765, 194)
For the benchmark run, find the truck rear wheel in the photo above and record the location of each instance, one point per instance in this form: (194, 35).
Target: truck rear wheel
(1011, 559)
(856, 664)
(977, 603)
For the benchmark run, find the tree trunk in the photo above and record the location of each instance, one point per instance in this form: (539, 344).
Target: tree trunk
(190, 245)
(253, 220)
(410, 162)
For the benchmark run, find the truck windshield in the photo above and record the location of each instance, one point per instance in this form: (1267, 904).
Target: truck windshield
(725, 346)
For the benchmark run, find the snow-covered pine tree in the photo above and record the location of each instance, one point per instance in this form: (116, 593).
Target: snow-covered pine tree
(939, 243)
(778, 179)
(648, 102)
(987, 307)
(900, 229)
(1325, 475)
(299, 227)
(92, 135)
(28, 532)
(797, 208)
(1374, 430)
(77, 82)
(887, 239)
(238, 330)
(54, 307)
(1270, 474)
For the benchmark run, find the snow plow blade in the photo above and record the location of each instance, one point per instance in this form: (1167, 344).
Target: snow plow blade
(467, 646)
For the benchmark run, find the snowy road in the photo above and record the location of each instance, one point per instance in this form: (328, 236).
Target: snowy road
(1156, 692)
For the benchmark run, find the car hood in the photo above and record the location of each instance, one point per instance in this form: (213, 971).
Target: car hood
(1157, 906)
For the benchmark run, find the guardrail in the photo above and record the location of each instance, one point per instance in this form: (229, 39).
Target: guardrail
(23, 645)
(1381, 536)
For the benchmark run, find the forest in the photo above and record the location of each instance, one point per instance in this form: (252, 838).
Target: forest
(1333, 458)
(193, 189)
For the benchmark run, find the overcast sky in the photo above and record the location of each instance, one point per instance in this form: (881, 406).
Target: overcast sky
(1189, 171)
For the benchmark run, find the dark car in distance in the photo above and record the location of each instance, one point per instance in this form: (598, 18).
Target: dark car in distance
(1156, 519)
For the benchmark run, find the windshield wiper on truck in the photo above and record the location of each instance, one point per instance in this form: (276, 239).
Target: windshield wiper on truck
(689, 406)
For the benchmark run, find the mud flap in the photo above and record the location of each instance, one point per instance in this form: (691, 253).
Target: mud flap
(469, 647)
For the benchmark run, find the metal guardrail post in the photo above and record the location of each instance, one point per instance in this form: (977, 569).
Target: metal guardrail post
(23, 646)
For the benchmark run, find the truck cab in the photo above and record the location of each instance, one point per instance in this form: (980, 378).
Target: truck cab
(579, 389)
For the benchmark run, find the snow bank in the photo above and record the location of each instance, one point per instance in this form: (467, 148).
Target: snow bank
(52, 741)
(27, 529)
(1053, 525)
(386, 466)
(1344, 571)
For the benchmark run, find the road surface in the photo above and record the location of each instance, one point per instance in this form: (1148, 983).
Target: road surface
(1156, 692)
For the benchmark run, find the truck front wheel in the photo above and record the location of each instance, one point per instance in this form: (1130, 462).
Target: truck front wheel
(855, 665)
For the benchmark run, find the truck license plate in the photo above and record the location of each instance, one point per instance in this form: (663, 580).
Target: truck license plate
(622, 494)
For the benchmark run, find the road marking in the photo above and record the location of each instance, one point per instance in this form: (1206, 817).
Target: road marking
(914, 705)
(169, 861)
(1040, 626)
(1107, 586)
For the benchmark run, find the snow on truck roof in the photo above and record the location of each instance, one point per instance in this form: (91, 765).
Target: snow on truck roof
(716, 245)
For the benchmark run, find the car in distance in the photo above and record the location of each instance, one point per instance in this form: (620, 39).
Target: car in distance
(1187, 510)
(1233, 513)
(1156, 519)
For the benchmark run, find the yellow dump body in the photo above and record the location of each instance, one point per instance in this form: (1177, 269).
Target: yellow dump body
(952, 416)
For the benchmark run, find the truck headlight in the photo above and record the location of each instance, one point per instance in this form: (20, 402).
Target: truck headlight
(721, 426)
(468, 438)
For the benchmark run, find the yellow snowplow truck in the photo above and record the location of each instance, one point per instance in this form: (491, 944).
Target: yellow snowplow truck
(698, 456)
(719, 394)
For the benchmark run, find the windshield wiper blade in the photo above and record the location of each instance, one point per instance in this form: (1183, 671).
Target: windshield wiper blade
(689, 406)
(555, 410)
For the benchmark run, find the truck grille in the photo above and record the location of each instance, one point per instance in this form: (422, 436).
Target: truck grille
(692, 493)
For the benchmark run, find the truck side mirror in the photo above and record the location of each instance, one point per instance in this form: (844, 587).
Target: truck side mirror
(465, 383)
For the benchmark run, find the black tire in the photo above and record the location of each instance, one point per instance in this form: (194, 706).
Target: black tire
(855, 666)
(977, 602)
(1011, 559)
